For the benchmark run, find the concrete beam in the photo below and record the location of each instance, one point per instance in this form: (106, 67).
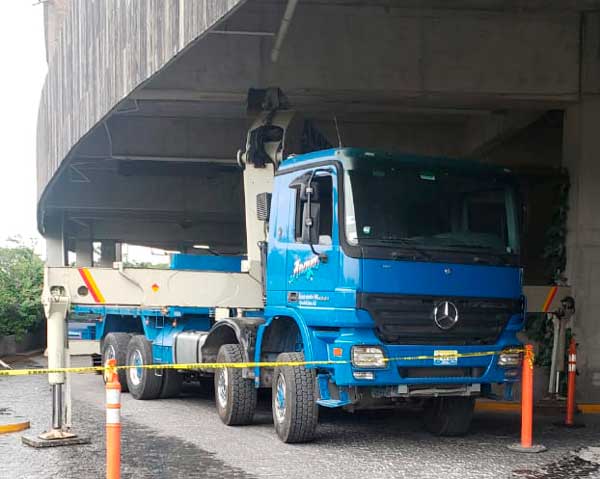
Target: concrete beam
(170, 235)
(356, 55)
(485, 133)
(105, 50)
(103, 190)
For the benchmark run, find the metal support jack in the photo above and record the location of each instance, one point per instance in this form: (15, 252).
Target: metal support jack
(560, 318)
(56, 306)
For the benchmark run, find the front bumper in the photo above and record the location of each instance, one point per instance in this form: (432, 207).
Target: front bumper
(419, 365)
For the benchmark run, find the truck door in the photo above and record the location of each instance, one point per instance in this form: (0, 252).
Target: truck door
(310, 275)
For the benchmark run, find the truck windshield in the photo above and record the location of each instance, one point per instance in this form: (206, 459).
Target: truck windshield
(429, 210)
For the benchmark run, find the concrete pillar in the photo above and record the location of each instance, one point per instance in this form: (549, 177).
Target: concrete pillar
(109, 253)
(56, 251)
(84, 253)
(581, 155)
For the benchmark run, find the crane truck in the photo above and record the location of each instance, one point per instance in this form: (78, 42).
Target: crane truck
(384, 279)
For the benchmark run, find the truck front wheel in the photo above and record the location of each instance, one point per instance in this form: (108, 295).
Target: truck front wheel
(143, 383)
(114, 346)
(295, 409)
(235, 396)
(449, 416)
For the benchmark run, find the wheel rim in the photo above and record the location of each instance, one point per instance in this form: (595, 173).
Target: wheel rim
(109, 353)
(222, 386)
(280, 399)
(136, 373)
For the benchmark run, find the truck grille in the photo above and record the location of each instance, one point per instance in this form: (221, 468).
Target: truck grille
(401, 319)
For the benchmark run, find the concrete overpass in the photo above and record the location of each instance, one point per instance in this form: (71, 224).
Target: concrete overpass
(144, 109)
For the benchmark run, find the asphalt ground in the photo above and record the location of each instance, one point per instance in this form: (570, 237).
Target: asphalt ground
(184, 437)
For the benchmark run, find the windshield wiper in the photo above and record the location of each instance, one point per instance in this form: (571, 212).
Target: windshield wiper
(405, 244)
(465, 248)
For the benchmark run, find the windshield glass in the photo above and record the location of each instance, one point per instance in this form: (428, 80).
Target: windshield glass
(431, 209)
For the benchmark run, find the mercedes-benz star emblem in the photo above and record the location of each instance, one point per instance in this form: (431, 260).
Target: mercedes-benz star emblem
(445, 315)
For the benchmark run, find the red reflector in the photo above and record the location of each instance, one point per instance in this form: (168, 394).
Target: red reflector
(337, 352)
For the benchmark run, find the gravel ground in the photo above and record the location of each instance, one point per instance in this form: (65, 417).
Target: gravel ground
(184, 438)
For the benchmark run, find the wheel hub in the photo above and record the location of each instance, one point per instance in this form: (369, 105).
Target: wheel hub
(280, 404)
(222, 386)
(136, 373)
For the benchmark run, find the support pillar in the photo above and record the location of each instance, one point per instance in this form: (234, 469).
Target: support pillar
(108, 253)
(56, 251)
(84, 253)
(581, 156)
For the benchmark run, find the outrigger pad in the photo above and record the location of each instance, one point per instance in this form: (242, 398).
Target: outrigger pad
(63, 439)
(535, 448)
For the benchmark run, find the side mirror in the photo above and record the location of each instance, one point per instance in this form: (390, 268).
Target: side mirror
(310, 224)
(263, 206)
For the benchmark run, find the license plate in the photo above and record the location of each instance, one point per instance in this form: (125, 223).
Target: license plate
(445, 357)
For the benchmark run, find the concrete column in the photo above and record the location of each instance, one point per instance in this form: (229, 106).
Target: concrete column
(84, 253)
(56, 254)
(581, 150)
(107, 254)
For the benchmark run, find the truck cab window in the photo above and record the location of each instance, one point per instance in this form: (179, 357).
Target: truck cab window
(325, 206)
(442, 211)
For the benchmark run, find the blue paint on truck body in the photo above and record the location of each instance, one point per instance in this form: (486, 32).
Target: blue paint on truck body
(228, 264)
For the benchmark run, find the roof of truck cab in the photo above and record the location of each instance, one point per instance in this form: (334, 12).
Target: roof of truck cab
(348, 157)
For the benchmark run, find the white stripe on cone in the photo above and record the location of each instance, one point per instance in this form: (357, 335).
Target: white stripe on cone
(113, 416)
(113, 396)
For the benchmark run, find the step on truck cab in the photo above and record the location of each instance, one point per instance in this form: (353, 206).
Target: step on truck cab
(372, 279)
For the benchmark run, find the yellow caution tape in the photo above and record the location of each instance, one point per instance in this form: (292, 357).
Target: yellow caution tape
(243, 365)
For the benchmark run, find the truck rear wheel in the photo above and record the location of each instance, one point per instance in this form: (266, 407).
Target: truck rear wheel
(171, 384)
(449, 416)
(142, 383)
(235, 396)
(114, 346)
(295, 409)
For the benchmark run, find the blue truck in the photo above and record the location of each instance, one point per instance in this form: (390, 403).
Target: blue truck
(385, 280)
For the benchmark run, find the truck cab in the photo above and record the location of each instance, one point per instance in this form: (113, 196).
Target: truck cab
(396, 278)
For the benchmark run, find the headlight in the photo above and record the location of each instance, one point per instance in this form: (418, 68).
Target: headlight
(368, 357)
(509, 358)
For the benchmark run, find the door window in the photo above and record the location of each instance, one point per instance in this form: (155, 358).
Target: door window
(323, 205)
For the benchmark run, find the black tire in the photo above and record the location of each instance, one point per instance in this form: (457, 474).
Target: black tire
(235, 396)
(142, 383)
(449, 416)
(172, 382)
(97, 361)
(114, 345)
(297, 417)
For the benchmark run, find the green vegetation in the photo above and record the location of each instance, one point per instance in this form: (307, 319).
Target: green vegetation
(555, 250)
(539, 328)
(21, 279)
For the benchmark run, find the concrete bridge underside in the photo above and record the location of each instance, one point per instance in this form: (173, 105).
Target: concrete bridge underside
(145, 108)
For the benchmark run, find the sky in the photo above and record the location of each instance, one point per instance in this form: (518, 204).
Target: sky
(22, 73)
